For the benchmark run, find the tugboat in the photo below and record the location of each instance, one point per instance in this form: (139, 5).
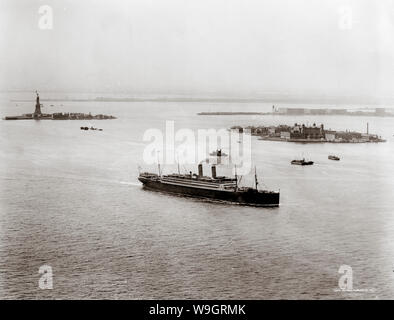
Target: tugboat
(219, 188)
(332, 157)
(218, 153)
(91, 128)
(302, 162)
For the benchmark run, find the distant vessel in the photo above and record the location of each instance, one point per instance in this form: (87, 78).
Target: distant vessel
(91, 128)
(302, 162)
(216, 188)
(332, 157)
(218, 153)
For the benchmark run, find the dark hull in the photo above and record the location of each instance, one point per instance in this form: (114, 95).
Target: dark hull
(251, 197)
(306, 163)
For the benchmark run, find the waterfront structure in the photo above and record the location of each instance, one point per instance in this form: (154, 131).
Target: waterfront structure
(304, 132)
(381, 112)
(285, 135)
(329, 135)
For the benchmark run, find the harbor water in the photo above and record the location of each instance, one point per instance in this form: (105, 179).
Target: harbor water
(70, 199)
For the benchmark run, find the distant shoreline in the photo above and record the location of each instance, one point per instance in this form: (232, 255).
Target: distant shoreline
(231, 113)
(349, 113)
(109, 99)
(276, 100)
(313, 141)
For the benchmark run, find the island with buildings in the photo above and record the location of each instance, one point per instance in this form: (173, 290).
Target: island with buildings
(38, 115)
(309, 134)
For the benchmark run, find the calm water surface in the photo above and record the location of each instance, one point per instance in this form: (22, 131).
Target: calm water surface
(71, 199)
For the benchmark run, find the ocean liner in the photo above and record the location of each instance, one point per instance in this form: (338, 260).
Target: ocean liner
(218, 188)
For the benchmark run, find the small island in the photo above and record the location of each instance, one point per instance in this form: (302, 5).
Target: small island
(38, 115)
(313, 134)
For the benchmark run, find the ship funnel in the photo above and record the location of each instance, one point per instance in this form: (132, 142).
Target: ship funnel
(200, 172)
(214, 171)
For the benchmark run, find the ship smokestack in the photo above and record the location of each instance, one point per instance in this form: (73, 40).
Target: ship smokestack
(214, 171)
(200, 172)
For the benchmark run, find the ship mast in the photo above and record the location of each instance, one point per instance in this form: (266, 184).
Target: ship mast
(255, 177)
(236, 178)
(177, 161)
(158, 163)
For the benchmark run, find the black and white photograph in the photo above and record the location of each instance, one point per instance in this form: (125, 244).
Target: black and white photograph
(190, 150)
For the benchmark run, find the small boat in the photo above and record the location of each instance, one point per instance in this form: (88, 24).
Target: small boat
(332, 157)
(302, 162)
(218, 153)
(91, 128)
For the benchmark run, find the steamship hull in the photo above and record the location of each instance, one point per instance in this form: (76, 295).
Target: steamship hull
(249, 197)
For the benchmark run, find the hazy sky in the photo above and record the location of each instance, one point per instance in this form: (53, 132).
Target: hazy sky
(238, 47)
